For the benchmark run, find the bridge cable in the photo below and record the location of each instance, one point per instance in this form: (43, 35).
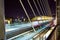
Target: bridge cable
(40, 7)
(37, 8)
(31, 8)
(48, 7)
(26, 14)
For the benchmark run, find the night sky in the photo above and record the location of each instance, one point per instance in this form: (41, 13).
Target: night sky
(13, 8)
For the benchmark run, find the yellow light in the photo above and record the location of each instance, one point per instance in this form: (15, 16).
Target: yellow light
(42, 18)
(39, 18)
(8, 22)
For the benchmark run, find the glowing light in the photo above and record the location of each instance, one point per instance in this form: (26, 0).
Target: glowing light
(55, 22)
(8, 22)
(42, 18)
(35, 23)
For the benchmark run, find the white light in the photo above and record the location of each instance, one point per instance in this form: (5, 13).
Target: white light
(35, 23)
(39, 18)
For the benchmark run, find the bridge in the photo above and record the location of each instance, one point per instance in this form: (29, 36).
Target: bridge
(34, 21)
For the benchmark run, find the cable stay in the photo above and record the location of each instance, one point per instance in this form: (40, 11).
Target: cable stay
(49, 10)
(44, 7)
(37, 8)
(26, 14)
(31, 8)
(40, 7)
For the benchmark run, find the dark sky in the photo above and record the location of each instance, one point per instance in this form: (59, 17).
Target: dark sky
(13, 8)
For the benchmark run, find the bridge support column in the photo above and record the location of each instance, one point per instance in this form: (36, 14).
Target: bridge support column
(2, 28)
